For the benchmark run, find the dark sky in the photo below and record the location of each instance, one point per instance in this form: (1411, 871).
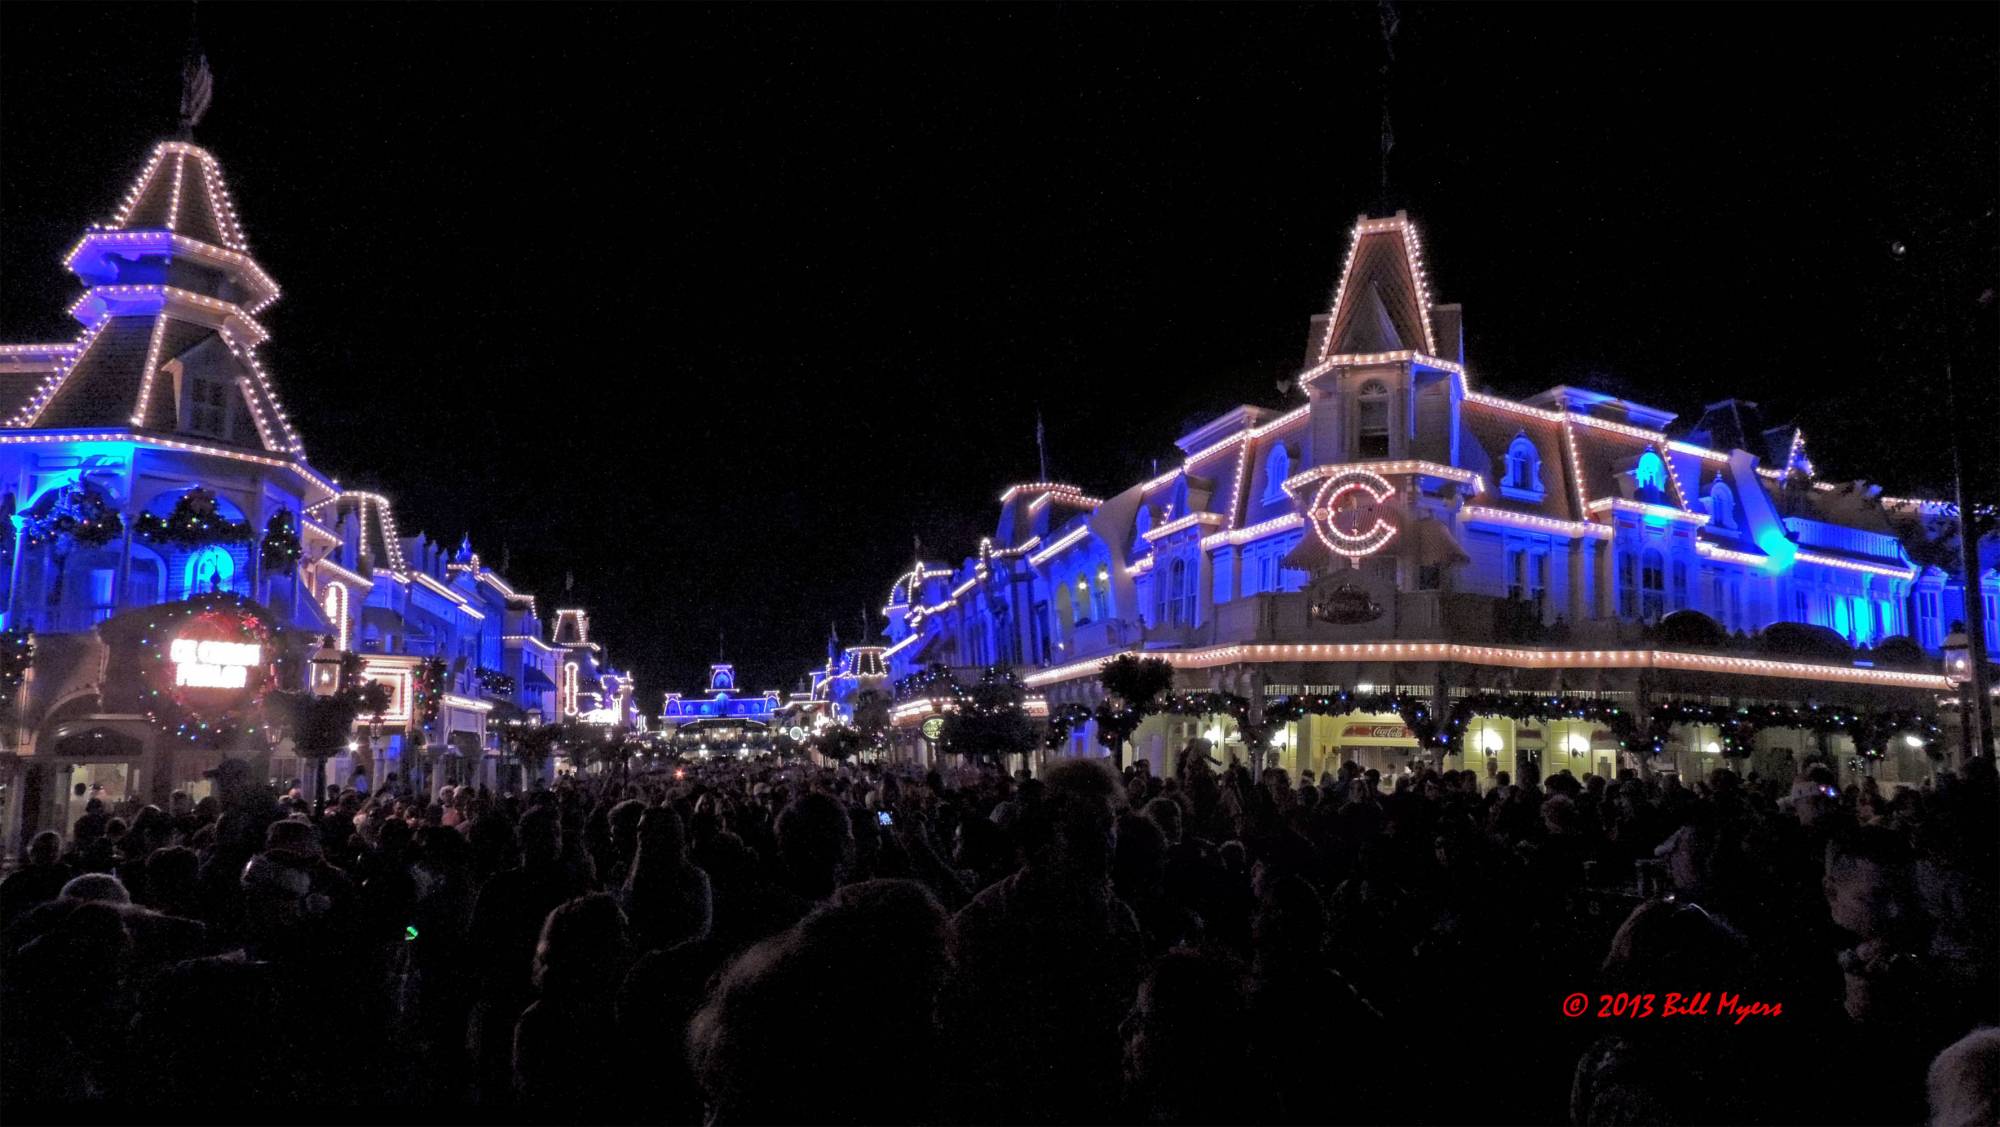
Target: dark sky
(718, 307)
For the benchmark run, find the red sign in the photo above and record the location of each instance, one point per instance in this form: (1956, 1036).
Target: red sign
(1377, 732)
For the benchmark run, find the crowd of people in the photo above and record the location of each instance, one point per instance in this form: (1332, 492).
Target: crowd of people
(759, 942)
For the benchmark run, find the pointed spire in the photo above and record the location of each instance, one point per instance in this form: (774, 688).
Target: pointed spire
(1383, 294)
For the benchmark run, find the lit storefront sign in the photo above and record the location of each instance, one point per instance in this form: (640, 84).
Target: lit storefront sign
(204, 664)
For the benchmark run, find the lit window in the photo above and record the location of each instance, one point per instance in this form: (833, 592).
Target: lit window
(1522, 479)
(1721, 505)
(1652, 585)
(1277, 467)
(1372, 426)
(1651, 478)
(210, 569)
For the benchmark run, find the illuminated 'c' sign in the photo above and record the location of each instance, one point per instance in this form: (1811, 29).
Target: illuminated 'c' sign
(214, 665)
(1346, 513)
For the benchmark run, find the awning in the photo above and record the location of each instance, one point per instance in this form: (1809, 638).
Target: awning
(1436, 547)
(534, 680)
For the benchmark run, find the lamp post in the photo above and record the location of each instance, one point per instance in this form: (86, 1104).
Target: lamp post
(1940, 244)
(1958, 670)
(325, 666)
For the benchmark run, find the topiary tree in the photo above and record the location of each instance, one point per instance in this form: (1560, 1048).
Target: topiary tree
(1133, 687)
(991, 721)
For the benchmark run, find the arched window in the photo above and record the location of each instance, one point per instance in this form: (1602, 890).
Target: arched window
(1082, 600)
(1372, 421)
(1141, 525)
(1277, 467)
(210, 569)
(1179, 587)
(1680, 584)
(1652, 585)
(1522, 478)
(1721, 505)
(1651, 478)
(1103, 592)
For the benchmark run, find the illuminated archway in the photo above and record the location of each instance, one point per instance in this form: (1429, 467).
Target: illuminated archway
(335, 602)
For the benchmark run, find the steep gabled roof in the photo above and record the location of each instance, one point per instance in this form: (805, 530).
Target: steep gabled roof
(1383, 303)
(182, 190)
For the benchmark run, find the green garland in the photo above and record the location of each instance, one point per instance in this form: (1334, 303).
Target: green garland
(281, 549)
(193, 523)
(79, 513)
(496, 683)
(1737, 725)
(17, 655)
(426, 693)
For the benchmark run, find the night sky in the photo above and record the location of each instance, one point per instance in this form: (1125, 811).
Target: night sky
(718, 308)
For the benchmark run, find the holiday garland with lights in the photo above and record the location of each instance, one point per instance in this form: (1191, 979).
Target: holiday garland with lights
(495, 683)
(280, 550)
(169, 706)
(78, 514)
(17, 655)
(193, 523)
(426, 694)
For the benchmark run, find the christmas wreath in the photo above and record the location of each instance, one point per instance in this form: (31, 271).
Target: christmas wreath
(193, 523)
(178, 711)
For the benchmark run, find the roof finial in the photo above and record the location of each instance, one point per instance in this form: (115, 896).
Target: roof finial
(1041, 444)
(197, 84)
(1390, 22)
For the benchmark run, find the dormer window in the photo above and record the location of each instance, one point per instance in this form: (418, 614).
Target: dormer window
(1522, 478)
(1277, 467)
(1721, 505)
(1650, 478)
(1372, 421)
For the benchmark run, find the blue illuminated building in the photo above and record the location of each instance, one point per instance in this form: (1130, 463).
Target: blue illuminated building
(1393, 525)
(722, 714)
(150, 459)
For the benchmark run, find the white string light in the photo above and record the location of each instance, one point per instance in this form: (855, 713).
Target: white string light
(146, 378)
(1520, 657)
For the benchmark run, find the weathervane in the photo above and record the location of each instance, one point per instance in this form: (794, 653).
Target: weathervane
(197, 84)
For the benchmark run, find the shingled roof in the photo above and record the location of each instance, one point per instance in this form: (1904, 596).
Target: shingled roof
(182, 190)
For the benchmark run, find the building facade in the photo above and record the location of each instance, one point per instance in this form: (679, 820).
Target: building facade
(175, 557)
(1395, 533)
(722, 717)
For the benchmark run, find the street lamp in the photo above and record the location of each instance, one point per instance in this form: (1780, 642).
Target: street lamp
(1958, 670)
(325, 669)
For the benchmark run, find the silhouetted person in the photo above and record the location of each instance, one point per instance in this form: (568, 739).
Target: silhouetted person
(559, 1051)
(863, 970)
(1048, 961)
(666, 897)
(37, 882)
